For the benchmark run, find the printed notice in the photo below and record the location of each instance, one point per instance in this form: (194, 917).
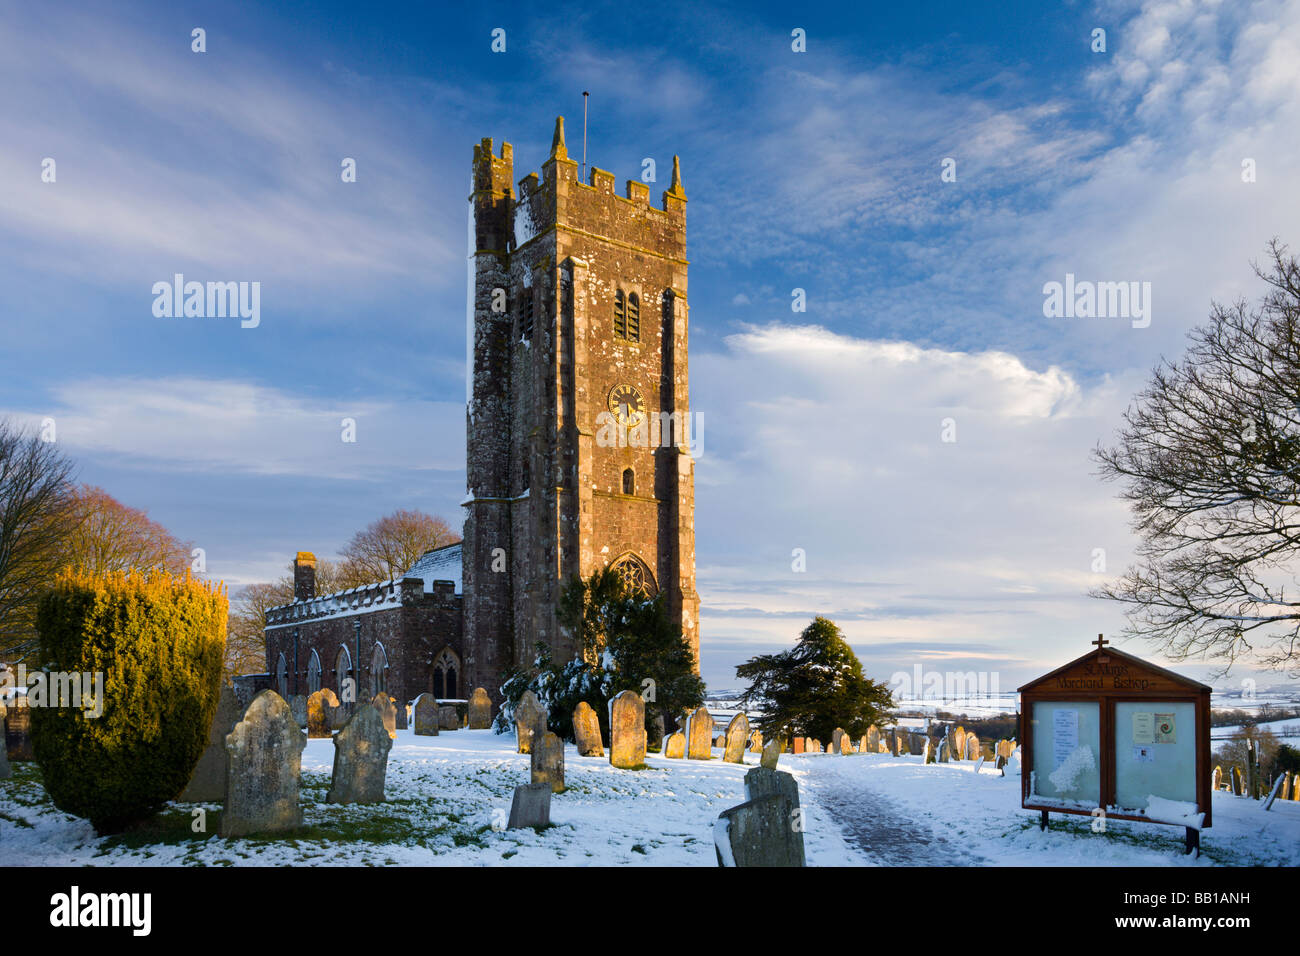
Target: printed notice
(1165, 729)
(1144, 729)
(1065, 734)
(1144, 754)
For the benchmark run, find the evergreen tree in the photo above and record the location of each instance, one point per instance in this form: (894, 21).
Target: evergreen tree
(813, 688)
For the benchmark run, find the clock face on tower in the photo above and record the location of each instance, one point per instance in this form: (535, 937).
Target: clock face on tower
(626, 405)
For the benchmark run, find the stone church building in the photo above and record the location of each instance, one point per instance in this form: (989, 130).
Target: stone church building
(576, 440)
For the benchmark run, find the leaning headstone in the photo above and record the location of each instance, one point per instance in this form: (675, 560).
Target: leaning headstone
(586, 731)
(873, 739)
(531, 806)
(627, 730)
(265, 753)
(771, 754)
(208, 781)
(480, 710)
(320, 712)
(675, 745)
(548, 761)
(699, 735)
(426, 716)
(734, 739)
(387, 708)
(361, 759)
(978, 763)
(530, 721)
(756, 742)
(448, 717)
(1277, 787)
(927, 753)
(759, 832)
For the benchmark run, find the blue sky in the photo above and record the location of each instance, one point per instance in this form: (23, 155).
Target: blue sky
(818, 170)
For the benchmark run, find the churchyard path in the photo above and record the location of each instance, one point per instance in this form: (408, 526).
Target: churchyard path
(877, 825)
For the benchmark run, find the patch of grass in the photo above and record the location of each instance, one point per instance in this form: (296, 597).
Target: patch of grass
(171, 827)
(638, 848)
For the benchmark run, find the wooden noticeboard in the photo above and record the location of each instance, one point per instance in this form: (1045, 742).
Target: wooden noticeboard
(1110, 730)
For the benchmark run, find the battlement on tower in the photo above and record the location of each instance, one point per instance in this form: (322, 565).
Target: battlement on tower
(558, 198)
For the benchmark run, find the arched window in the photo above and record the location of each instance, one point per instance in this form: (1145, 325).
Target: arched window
(282, 676)
(620, 315)
(378, 671)
(629, 481)
(342, 674)
(446, 668)
(313, 673)
(636, 575)
(633, 318)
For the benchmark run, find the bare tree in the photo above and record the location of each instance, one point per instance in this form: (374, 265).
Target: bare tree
(387, 547)
(103, 535)
(1210, 458)
(35, 490)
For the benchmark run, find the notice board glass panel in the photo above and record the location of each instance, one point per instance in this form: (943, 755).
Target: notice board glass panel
(1067, 752)
(1155, 752)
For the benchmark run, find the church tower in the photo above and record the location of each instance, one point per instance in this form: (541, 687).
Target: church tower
(578, 419)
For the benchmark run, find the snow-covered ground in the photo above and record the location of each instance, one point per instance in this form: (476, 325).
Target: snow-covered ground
(1289, 727)
(446, 793)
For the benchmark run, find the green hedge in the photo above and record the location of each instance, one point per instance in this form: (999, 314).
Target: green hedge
(159, 642)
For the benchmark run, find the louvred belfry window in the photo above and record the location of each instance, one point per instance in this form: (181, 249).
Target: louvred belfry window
(633, 318)
(620, 314)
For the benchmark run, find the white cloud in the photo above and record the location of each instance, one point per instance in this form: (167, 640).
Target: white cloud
(188, 424)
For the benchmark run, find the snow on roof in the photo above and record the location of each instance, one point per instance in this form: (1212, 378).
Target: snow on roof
(441, 564)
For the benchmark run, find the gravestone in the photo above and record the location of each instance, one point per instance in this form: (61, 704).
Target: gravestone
(530, 721)
(627, 730)
(655, 731)
(298, 705)
(720, 741)
(265, 754)
(959, 741)
(340, 713)
(836, 735)
(480, 710)
(361, 759)
(208, 781)
(387, 708)
(18, 729)
(448, 717)
(943, 750)
(756, 742)
(403, 714)
(1277, 787)
(531, 806)
(846, 744)
(863, 747)
(320, 713)
(586, 731)
(817, 746)
(1236, 782)
(979, 763)
(759, 832)
(426, 716)
(548, 761)
(771, 754)
(675, 745)
(972, 747)
(734, 739)
(1001, 765)
(762, 782)
(1286, 787)
(6, 771)
(1216, 779)
(800, 745)
(699, 735)
(927, 753)
(873, 739)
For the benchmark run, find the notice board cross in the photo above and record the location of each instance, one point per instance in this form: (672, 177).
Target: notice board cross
(1100, 642)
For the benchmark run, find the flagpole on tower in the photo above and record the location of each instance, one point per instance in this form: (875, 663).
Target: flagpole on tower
(584, 136)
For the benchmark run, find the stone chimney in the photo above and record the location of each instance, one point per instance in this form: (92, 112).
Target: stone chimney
(304, 576)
